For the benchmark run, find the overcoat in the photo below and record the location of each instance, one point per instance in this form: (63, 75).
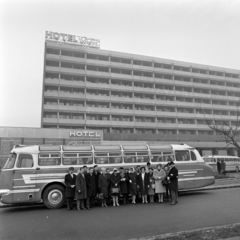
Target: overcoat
(124, 183)
(96, 175)
(159, 187)
(133, 183)
(103, 184)
(223, 166)
(219, 166)
(81, 185)
(69, 180)
(91, 188)
(173, 182)
(143, 184)
(151, 190)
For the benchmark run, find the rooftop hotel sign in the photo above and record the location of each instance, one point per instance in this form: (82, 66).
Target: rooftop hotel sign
(72, 39)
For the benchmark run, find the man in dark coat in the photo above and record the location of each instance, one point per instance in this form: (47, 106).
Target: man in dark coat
(96, 174)
(172, 178)
(219, 168)
(81, 189)
(70, 180)
(123, 184)
(91, 188)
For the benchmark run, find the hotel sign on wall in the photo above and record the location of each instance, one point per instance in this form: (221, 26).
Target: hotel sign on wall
(67, 38)
(84, 134)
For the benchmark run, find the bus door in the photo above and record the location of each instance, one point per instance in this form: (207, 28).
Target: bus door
(24, 179)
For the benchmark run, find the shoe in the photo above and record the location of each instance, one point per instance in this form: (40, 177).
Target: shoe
(146, 201)
(114, 205)
(88, 208)
(83, 208)
(117, 204)
(105, 205)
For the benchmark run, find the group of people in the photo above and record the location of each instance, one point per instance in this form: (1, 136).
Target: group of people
(139, 182)
(221, 167)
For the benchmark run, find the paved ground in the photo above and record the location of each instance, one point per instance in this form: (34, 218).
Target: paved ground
(195, 210)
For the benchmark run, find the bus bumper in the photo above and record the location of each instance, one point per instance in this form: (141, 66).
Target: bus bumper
(4, 192)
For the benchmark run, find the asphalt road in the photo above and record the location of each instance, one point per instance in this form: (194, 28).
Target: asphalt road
(194, 210)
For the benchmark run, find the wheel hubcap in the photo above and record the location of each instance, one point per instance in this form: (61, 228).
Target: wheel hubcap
(55, 196)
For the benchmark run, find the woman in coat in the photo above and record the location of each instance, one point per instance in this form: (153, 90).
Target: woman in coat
(103, 186)
(114, 186)
(133, 184)
(159, 175)
(151, 191)
(123, 185)
(81, 189)
(143, 183)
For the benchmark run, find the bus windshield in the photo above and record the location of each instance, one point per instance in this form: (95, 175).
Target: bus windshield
(10, 162)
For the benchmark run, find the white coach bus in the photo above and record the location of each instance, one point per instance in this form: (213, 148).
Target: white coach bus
(36, 173)
(232, 162)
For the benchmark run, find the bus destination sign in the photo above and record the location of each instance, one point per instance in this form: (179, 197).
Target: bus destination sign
(72, 39)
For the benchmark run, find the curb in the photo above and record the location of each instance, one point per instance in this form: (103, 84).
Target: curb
(178, 234)
(2, 205)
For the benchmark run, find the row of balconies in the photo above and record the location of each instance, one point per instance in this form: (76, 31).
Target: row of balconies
(126, 112)
(159, 111)
(137, 67)
(130, 100)
(123, 124)
(175, 83)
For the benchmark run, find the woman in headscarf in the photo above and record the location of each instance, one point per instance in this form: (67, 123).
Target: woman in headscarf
(114, 186)
(159, 175)
(151, 189)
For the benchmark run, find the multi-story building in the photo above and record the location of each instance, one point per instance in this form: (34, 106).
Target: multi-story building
(134, 97)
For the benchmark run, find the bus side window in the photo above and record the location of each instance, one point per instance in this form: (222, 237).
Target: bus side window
(193, 156)
(182, 155)
(25, 161)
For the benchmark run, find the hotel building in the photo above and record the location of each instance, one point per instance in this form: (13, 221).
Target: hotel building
(134, 97)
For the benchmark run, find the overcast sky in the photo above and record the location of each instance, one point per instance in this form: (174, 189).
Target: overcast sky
(198, 31)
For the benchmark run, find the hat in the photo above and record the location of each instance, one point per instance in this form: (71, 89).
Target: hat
(71, 168)
(84, 166)
(114, 169)
(95, 166)
(171, 163)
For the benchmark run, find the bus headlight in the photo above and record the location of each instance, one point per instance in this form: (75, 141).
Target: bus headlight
(4, 192)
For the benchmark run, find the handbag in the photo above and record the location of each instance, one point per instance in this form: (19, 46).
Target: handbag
(164, 182)
(115, 190)
(100, 196)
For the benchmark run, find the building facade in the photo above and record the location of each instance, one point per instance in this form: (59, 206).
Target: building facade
(134, 97)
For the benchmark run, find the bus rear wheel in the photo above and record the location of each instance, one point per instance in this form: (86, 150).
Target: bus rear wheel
(237, 169)
(54, 196)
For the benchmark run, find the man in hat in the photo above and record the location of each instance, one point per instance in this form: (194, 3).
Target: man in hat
(70, 180)
(91, 188)
(96, 174)
(172, 178)
(81, 190)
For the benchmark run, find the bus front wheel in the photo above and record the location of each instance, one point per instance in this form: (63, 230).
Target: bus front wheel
(237, 169)
(54, 196)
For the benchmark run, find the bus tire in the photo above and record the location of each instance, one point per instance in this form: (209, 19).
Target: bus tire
(54, 196)
(237, 169)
